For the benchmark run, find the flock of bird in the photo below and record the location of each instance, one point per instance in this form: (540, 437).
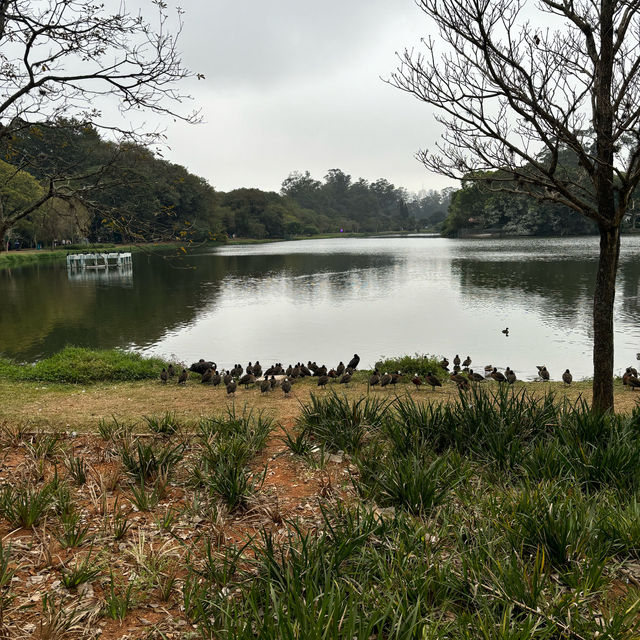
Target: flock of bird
(276, 376)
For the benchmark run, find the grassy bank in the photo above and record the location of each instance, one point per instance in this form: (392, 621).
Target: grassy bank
(24, 257)
(75, 365)
(505, 513)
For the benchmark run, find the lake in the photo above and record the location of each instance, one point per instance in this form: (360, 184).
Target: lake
(325, 300)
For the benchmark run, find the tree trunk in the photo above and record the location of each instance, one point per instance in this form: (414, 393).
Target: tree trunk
(604, 298)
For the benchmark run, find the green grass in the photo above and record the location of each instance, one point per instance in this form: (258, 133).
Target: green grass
(77, 365)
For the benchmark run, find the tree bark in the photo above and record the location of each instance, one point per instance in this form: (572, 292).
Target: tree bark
(604, 298)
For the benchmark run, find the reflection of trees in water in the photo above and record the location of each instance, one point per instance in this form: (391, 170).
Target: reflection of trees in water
(42, 311)
(629, 288)
(35, 302)
(564, 287)
(303, 276)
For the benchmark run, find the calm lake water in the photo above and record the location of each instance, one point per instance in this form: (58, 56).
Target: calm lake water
(325, 300)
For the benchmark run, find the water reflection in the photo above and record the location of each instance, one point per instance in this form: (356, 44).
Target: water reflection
(122, 276)
(324, 300)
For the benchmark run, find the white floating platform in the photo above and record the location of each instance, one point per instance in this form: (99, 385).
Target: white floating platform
(83, 261)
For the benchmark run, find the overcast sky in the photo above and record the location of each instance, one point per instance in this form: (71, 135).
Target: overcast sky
(295, 85)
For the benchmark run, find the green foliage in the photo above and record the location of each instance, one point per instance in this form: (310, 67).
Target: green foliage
(118, 600)
(419, 363)
(82, 571)
(166, 424)
(338, 423)
(146, 460)
(23, 505)
(479, 206)
(82, 366)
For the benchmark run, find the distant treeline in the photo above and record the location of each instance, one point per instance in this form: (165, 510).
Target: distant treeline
(493, 202)
(128, 193)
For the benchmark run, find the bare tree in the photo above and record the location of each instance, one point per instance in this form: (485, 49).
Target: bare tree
(62, 60)
(515, 96)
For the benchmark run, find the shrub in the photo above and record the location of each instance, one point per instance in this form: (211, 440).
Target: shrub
(419, 363)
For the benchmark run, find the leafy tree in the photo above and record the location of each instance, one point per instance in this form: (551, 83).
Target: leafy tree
(514, 97)
(57, 59)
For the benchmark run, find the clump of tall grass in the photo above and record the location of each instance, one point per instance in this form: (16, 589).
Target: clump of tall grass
(340, 424)
(250, 427)
(82, 366)
(166, 424)
(146, 460)
(114, 429)
(24, 505)
(415, 481)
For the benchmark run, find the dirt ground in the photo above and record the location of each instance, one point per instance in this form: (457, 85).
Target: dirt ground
(42, 607)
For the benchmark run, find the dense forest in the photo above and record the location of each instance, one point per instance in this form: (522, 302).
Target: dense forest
(128, 193)
(492, 202)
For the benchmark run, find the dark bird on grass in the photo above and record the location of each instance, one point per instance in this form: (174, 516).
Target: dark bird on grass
(456, 368)
(313, 367)
(171, 371)
(633, 382)
(288, 371)
(270, 371)
(467, 362)
(475, 377)
(456, 360)
(182, 378)
(206, 376)
(231, 387)
(295, 372)
(305, 371)
(257, 369)
(463, 384)
(322, 381)
(227, 378)
(567, 378)
(247, 379)
(510, 375)
(202, 365)
(457, 378)
(340, 368)
(444, 363)
(634, 371)
(385, 380)
(216, 379)
(498, 376)
(332, 373)
(286, 386)
(417, 380)
(506, 331)
(627, 374)
(237, 370)
(346, 378)
(395, 378)
(164, 376)
(273, 382)
(543, 373)
(265, 386)
(374, 378)
(353, 363)
(432, 381)
(320, 371)
(249, 369)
